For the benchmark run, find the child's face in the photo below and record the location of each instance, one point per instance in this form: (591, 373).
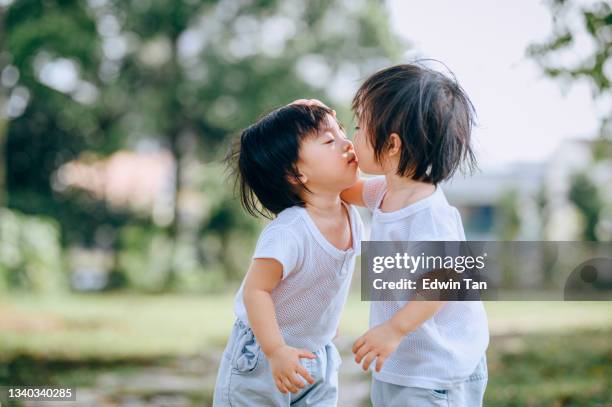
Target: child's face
(365, 152)
(327, 160)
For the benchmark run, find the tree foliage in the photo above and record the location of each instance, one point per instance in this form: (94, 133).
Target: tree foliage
(102, 75)
(579, 47)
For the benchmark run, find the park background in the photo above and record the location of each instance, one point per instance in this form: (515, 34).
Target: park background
(121, 242)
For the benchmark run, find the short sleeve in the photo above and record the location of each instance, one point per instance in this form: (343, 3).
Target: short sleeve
(357, 230)
(373, 188)
(459, 223)
(281, 245)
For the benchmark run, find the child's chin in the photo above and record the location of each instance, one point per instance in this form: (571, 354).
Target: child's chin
(371, 171)
(353, 180)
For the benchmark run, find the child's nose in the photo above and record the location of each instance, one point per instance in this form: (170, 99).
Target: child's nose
(348, 145)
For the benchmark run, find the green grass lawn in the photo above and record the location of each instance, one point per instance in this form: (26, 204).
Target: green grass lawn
(511, 317)
(114, 326)
(541, 353)
(563, 370)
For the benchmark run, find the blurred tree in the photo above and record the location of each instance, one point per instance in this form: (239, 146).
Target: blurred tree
(50, 53)
(3, 106)
(579, 49)
(507, 228)
(508, 219)
(108, 74)
(30, 254)
(586, 197)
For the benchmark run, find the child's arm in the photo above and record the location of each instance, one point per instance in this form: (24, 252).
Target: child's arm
(263, 276)
(354, 194)
(382, 340)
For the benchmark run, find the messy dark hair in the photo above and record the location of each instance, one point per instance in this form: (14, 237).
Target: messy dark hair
(264, 159)
(428, 110)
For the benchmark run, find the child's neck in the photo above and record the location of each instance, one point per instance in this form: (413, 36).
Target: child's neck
(323, 203)
(404, 191)
(331, 218)
(398, 183)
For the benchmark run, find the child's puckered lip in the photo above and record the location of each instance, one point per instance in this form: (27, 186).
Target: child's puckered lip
(352, 158)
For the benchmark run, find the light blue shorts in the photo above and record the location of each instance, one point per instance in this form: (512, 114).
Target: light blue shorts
(245, 378)
(470, 393)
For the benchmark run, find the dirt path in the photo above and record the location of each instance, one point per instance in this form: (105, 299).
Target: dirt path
(189, 382)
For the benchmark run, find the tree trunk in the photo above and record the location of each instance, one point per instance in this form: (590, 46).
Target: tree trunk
(3, 192)
(3, 121)
(174, 130)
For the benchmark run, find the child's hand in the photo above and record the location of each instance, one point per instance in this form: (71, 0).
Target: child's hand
(379, 342)
(286, 368)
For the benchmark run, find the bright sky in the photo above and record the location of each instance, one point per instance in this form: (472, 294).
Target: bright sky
(522, 115)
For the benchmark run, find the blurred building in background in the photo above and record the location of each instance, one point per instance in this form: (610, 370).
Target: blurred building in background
(536, 201)
(479, 197)
(140, 181)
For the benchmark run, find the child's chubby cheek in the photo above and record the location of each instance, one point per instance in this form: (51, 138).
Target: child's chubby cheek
(366, 167)
(364, 159)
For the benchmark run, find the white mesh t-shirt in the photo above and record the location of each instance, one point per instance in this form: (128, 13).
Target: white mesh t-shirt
(445, 349)
(316, 277)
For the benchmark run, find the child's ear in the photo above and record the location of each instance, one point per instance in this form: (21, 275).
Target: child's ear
(395, 144)
(298, 179)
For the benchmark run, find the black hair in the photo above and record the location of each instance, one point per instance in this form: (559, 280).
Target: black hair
(428, 110)
(265, 157)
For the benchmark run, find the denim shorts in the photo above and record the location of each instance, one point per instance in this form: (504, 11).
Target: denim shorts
(245, 378)
(469, 393)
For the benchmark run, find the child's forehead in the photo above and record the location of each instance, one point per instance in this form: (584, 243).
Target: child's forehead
(359, 112)
(330, 123)
(327, 124)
